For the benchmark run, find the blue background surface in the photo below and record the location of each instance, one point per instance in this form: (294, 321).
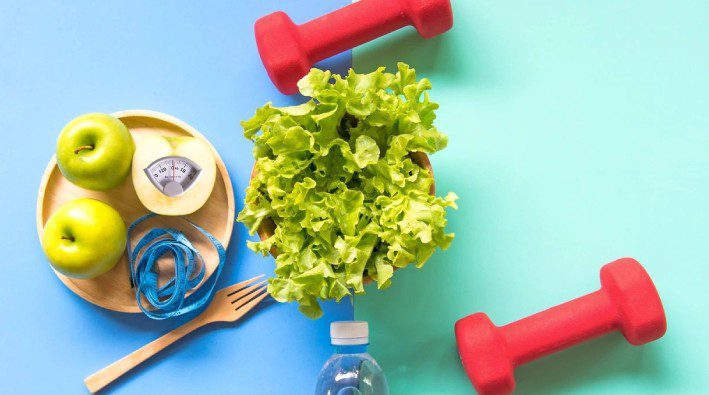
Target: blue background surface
(197, 61)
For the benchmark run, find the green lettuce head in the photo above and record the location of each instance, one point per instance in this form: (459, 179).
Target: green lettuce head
(335, 176)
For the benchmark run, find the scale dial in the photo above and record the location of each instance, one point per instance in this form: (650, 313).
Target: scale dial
(173, 175)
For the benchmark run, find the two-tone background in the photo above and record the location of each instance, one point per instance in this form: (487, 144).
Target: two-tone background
(579, 133)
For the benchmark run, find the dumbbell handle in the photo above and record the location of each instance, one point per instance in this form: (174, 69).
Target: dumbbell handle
(350, 26)
(560, 327)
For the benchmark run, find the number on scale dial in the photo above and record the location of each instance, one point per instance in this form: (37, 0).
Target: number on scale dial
(173, 175)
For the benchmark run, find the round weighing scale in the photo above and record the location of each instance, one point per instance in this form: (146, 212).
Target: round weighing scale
(173, 175)
(112, 290)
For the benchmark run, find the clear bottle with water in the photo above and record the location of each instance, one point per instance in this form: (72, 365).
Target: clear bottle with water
(351, 370)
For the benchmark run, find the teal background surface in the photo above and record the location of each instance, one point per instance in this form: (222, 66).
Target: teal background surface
(579, 134)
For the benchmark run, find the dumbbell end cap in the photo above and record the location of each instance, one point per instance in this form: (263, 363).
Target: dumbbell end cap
(281, 52)
(430, 17)
(630, 288)
(482, 351)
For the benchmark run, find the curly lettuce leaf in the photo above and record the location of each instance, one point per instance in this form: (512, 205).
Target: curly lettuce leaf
(336, 177)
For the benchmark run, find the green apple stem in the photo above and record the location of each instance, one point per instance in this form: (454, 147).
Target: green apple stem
(83, 147)
(68, 238)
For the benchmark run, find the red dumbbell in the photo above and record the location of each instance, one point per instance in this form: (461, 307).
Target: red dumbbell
(288, 51)
(627, 301)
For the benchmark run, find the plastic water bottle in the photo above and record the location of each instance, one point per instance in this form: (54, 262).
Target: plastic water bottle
(351, 370)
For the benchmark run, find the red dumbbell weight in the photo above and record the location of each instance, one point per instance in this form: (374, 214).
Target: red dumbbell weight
(288, 51)
(627, 301)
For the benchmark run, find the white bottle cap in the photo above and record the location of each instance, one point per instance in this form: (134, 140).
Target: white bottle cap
(349, 333)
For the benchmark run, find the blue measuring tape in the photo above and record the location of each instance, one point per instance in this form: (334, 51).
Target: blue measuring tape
(170, 299)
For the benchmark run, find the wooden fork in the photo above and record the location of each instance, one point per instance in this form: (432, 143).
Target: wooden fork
(228, 305)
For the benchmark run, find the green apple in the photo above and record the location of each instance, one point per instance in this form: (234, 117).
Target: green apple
(84, 238)
(152, 147)
(94, 151)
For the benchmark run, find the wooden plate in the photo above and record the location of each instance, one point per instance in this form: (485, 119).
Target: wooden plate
(112, 290)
